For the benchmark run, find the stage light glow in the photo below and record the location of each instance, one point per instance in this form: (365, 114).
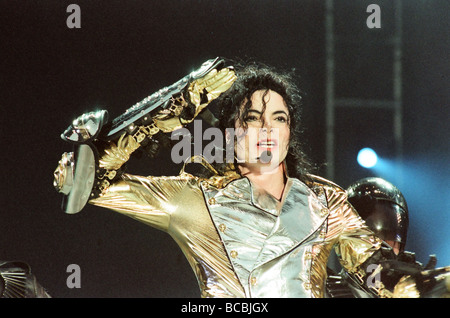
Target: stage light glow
(367, 158)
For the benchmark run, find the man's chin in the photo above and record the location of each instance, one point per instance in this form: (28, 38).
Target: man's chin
(263, 168)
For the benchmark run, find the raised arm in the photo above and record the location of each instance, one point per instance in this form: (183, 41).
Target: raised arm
(101, 148)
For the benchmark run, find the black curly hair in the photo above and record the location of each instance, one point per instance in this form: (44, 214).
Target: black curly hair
(254, 77)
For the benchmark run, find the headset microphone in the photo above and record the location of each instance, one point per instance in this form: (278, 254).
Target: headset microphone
(265, 157)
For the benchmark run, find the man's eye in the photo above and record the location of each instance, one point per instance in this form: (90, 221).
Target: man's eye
(251, 118)
(281, 119)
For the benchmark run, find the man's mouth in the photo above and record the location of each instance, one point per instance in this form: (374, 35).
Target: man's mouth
(266, 144)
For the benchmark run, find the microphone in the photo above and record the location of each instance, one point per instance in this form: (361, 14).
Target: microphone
(265, 157)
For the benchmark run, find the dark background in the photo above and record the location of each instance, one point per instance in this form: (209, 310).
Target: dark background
(126, 50)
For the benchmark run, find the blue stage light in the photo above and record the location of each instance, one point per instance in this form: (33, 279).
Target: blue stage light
(367, 158)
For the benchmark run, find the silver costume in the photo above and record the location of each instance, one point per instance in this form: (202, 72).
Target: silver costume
(242, 242)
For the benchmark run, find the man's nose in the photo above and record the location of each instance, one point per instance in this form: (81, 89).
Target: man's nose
(266, 126)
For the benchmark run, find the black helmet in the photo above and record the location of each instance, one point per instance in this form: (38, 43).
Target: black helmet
(383, 208)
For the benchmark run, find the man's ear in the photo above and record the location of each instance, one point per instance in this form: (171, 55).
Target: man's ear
(227, 136)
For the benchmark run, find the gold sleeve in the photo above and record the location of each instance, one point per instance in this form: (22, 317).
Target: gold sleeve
(151, 200)
(356, 242)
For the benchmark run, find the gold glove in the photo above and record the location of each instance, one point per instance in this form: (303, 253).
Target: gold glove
(434, 283)
(116, 155)
(200, 93)
(406, 288)
(204, 90)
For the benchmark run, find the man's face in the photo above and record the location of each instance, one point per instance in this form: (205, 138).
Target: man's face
(267, 131)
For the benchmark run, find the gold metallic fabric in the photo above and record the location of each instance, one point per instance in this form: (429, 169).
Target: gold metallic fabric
(116, 155)
(63, 174)
(242, 242)
(214, 83)
(406, 288)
